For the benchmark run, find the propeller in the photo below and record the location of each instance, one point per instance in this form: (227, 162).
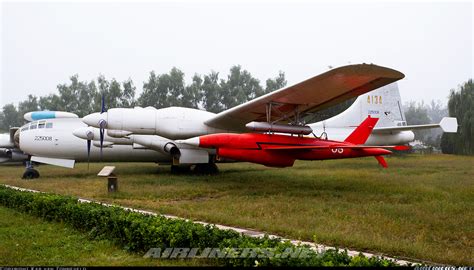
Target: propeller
(102, 125)
(90, 136)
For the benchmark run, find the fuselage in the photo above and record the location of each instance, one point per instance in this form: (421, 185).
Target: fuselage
(276, 150)
(54, 138)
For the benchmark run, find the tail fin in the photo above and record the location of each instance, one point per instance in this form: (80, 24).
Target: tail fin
(383, 103)
(362, 132)
(381, 161)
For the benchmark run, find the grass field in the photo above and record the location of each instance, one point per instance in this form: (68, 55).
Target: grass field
(421, 207)
(27, 240)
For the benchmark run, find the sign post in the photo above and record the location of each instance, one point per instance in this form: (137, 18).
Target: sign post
(112, 180)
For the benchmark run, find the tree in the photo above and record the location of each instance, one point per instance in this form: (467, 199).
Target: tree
(127, 98)
(239, 87)
(276, 83)
(11, 117)
(115, 94)
(211, 93)
(163, 90)
(192, 94)
(51, 102)
(29, 105)
(461, 106)
(3, 124)
(417, 114)
(79, 97)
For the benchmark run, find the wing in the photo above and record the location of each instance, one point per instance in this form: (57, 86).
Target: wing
(355, 147)
(447, 124)
(312, 95)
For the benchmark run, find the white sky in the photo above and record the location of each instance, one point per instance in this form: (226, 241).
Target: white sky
(44, 43)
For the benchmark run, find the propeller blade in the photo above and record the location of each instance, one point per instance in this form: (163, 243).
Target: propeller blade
(88, 153)
(102, 109)
(101, 131)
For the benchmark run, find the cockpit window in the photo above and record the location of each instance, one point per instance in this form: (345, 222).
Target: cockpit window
(25, 127)
(49, 125)
(33, 125)
(41, 124)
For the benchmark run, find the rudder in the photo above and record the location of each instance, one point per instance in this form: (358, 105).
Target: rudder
(362, 132)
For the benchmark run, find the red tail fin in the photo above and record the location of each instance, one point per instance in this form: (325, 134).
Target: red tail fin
(362, 132)
(382, 161)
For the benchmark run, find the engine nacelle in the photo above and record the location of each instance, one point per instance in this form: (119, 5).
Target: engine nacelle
(13, 155)
(118, 133)
(90, 133)
(104, 144)
(172, 122)
(157, 143)
(5, 141)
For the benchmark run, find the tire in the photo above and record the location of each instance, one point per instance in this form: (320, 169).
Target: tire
(209, 168)
(180, 169)
(30, 174)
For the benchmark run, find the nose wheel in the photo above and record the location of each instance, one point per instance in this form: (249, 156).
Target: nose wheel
(30, 172)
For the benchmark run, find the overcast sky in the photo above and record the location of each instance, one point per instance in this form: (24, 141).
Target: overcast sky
(44, 43)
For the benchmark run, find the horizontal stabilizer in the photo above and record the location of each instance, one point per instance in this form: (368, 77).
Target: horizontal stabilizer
(448, 124)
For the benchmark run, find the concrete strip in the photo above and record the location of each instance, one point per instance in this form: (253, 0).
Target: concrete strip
(251, 233)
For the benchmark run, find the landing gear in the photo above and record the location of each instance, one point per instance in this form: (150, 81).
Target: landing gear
(175, 169)
(30, 172)
(206, 168)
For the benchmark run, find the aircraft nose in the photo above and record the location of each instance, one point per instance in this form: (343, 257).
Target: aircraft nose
(84, 133)
(95, 119)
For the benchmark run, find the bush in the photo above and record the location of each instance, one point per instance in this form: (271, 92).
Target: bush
(138, 232)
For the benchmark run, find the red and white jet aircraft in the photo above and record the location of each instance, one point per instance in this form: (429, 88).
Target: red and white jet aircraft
(274, 150)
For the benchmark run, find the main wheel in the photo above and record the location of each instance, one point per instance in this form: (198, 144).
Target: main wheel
(206, 168)
(30, 174)
(180, 169)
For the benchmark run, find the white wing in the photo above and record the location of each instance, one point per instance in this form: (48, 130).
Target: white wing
(314, 94)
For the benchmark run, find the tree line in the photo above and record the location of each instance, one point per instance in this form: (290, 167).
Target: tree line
(208, 92)
(461, 106)
(418, 113)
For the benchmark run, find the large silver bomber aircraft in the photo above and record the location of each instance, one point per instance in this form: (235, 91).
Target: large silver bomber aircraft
(149, 134)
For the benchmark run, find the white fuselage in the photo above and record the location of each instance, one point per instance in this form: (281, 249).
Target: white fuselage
(58, 141)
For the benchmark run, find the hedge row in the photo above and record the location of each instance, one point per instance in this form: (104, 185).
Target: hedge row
(138, 232)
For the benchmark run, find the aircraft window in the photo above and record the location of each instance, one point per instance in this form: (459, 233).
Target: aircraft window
(24, 128)
(33, 126)
(41, 125)
(49, 125)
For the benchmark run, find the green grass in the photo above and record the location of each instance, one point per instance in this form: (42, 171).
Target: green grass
(27, 240)
(421, 207)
